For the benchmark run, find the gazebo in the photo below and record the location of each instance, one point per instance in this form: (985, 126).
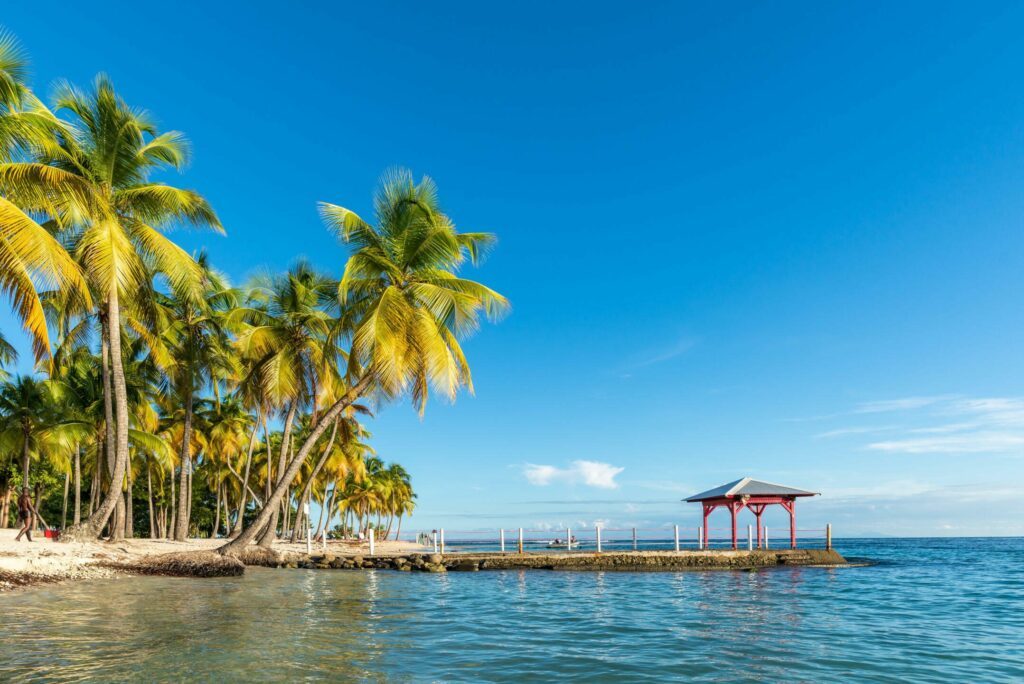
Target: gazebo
(755, 495)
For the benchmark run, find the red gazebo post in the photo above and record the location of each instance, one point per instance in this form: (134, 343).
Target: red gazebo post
(755, 495)
(791, 507)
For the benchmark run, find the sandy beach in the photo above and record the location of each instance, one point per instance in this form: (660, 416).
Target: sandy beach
(45, 561)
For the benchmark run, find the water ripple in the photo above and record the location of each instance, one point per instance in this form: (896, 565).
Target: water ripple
(927, 610)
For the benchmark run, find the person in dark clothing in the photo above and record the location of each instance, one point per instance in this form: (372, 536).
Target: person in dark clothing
(26, 515)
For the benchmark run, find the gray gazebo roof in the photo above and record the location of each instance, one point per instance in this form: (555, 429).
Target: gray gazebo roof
(749, 487)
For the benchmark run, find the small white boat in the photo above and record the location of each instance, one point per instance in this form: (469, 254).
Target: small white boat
(561, 544)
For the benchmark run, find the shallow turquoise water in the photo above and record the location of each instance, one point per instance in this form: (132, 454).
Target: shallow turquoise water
(928, 610)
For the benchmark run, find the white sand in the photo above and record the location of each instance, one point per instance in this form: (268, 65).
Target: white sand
(43, 560)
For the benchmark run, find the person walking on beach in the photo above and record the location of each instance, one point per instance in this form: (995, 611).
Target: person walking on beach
(26, 515)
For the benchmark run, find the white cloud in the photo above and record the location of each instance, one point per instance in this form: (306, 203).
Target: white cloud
(968, 443)
(904, 404)
(589, 473)
(946, 424)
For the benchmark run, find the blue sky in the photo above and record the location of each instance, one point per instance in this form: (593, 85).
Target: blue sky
(766, 239)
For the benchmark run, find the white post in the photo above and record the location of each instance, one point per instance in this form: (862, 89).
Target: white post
(371, 541)
(700, 538)
(598, 538)
(750, 538)
(766, 536)
(634, 539)
(442, 540)
(828, 536)
(520, 540)
(675, 534)
(433, 536)
(501, 535)
(568, 539)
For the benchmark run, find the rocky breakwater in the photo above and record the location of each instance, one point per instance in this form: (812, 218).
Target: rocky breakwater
(626, 561)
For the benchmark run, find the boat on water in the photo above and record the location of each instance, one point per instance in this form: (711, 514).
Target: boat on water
(562, 544)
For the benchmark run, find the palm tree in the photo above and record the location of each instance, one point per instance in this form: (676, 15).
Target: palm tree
(287, 345)
(404, 309)
(197, 341)
(95, 183)
(30, 423)
(229, 432)
(31, 259)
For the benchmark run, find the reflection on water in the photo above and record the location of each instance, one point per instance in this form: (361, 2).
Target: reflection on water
(931, 609)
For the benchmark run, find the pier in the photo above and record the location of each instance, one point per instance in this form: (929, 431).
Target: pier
(650, 561)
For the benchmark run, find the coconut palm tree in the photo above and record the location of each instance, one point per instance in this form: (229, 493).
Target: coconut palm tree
(287, 345)
(30, 423)
(31, 258)
(404, 308)
(95, 183)
(196, 339)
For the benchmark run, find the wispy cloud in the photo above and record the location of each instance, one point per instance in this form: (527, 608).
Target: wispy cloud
(589, 473)
(943, 424)
(654, 357)
(904, 404)
(845, 432)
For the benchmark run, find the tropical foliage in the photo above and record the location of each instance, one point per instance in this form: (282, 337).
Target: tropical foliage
(167, 401)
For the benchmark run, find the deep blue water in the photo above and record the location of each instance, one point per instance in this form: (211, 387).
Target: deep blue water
(925, 610)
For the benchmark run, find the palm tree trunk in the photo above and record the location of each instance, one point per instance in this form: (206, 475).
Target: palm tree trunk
(110, 443)
(320, 464)
(64, 515)
(4, 511)
(129, 509)
(181, 524)
(78, 484)
(174, 508)
(25, 440)
(284, 482)
(94, 492)
(91, 528)
(216, 515)
(398, 532)
(270, 534)
(149, 500)
(239, 521)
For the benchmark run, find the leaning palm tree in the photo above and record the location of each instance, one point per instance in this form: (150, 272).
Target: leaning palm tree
(96, 185)
(404, 309)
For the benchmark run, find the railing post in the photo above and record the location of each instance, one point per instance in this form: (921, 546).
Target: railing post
(828, 536)
(568, 539)
(502, 537)
(634, 539)
(766, 536)
(750, 538)
(675, 535)
(433, 536)
(520, 540)
(700, 538)
(371, 541)
(442, 540)
(598, 538)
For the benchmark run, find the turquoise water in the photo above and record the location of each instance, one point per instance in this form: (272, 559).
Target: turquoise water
(927, 610)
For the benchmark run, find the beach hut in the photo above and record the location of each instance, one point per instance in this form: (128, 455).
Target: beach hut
(755, 495)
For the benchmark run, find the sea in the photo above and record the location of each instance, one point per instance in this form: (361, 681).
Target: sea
(908, 610)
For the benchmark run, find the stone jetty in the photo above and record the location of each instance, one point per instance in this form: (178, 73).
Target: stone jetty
(653, 561)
